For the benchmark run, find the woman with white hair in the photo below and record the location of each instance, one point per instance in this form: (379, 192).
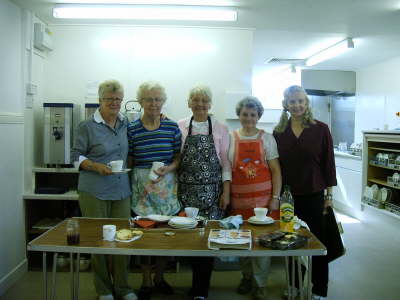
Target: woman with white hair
(154, 139)
(204, 174)
(256, 182)
(103, 194)
(308, 167)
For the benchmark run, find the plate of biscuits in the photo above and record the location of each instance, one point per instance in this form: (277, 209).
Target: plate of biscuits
(128, 235)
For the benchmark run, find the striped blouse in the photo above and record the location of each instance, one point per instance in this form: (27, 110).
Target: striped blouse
(147, 146)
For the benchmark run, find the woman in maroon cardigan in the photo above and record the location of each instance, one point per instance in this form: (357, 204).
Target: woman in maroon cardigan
(308, 166)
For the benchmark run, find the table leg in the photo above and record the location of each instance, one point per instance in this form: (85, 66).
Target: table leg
(44, 262)
(299, 274)
(309, 276)
(77, 276)
(53, 283)
(71, 271)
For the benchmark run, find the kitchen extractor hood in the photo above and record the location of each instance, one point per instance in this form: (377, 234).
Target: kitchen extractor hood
(322, 83)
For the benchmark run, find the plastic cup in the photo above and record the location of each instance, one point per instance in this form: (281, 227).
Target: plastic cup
(109, 232)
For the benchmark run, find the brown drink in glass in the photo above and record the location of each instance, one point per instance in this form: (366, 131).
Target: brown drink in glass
(73, 232)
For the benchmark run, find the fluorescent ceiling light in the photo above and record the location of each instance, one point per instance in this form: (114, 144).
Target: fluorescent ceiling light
(157, 2)
(139, 12)
(330, 52)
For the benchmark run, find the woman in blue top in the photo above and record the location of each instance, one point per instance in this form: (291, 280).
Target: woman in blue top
(154, 139)
(103, 194)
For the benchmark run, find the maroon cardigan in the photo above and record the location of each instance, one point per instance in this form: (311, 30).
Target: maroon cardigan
(307, 162)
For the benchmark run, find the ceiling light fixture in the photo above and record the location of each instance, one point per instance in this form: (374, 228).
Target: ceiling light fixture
(330, 52)
(141, 12)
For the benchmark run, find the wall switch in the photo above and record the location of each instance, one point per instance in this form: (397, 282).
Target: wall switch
(31, 89)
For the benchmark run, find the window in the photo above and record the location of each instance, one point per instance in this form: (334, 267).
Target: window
(268, 86)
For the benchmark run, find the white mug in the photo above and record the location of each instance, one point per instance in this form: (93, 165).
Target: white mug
(156, 165)
(109, 232)
(116, 165)
(191, 212)
(260, 212)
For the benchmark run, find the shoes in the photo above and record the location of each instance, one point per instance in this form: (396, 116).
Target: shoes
(260, 293)
(163, 287)
(199, 298)
(144, 293)
(106, 297)
(130, 296)
(245, 286)
(316, 297)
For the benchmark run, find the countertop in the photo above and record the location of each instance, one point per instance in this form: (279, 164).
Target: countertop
(347, 155)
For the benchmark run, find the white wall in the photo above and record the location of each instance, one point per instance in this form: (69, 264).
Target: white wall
(378, 97)
(12, 233)
(177, 57)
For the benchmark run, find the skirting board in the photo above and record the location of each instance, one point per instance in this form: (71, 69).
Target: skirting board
(13, 276)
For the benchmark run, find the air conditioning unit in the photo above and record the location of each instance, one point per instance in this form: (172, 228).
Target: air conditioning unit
(42, 39)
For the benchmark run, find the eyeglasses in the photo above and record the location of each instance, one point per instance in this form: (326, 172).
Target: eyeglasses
(109, 100)
(156, 100)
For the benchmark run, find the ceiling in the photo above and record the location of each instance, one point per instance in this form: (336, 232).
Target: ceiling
(290, 28)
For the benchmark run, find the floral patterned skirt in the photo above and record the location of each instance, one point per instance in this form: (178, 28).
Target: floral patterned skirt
(154, 198)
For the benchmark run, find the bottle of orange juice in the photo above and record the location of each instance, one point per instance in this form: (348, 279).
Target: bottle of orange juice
(286, 210)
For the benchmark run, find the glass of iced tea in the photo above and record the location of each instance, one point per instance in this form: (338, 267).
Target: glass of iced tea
(73, 232)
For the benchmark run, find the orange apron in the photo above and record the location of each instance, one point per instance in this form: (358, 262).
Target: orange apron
(251, 177)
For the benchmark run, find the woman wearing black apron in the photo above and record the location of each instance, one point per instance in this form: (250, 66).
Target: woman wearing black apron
(204, 174)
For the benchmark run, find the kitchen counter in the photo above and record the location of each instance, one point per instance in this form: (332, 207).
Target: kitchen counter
(347, 155)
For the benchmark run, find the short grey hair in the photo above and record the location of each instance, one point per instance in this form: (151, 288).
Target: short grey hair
(200, 90)
(250, 102)
(148, 86)
(110, 86)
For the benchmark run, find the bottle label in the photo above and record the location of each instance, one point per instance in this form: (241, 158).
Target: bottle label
(286, 217)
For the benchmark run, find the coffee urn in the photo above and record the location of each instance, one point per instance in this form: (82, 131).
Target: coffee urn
(58, 133)
(90, 109)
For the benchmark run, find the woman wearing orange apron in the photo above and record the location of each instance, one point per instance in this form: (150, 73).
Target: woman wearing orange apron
(256, 182)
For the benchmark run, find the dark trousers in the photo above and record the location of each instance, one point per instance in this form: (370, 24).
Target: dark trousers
(201, 269)
(310, 209)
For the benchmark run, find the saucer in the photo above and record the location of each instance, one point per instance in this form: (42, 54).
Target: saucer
(158, 218)
(256, 221)
(121, 171)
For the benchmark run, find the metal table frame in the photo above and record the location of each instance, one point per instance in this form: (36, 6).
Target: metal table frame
(292, 257)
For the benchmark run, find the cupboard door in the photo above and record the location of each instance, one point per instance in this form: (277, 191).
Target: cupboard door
(348, 189)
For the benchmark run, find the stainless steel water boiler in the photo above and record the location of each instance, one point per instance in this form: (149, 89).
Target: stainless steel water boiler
(90, 109)
(58, 132)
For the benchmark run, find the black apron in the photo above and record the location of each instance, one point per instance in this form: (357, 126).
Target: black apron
(200, 174)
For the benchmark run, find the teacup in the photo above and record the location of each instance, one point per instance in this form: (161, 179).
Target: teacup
(260, 212)
(191, 212)
(116, 165)
(155, 166)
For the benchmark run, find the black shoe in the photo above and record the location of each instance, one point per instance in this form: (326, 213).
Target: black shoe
(163, 287)
(144, 293)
